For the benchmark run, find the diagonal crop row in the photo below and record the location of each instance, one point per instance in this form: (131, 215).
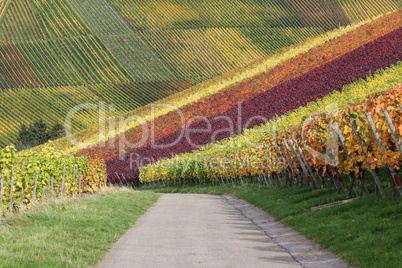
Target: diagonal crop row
(16, 72)
(265, 81)
(61, 62)
(199, 54)
(19, 23)
(205, 99)
(52, 104)
(290, 95)
(33, 19)
(153, 14)
(137, 58)
(366, 136)
(101, 17)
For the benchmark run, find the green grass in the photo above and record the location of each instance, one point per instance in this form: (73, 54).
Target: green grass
(71, 233)
(363, 232)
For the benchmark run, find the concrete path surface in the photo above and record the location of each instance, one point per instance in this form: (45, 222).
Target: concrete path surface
(186, 230)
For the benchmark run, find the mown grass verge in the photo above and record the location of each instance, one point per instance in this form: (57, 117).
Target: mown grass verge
(364, 232)
(71, 233)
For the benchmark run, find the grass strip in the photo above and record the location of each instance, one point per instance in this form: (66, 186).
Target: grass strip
(71, 233)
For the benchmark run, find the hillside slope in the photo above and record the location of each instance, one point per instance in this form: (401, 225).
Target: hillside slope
(145, 50)
(358, 52)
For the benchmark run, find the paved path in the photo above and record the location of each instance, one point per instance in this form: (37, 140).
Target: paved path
(185, 230)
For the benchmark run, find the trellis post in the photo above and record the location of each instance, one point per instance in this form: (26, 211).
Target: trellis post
(1, 191)
(375, 176)
(63, 179)
(11, 191)
(395, 177)
(34, 188)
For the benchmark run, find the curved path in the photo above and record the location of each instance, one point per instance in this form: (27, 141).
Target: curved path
(186, 230)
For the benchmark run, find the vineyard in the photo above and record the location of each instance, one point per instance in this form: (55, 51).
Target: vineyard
(147, 50)
(214, 86)
(27, 178)
(368, 138)
(294, 106)
(303, 69)
(202, 57)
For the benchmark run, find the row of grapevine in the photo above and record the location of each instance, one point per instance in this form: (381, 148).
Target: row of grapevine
(16, 71)
(101, 17)
(142, 63)
(213, 95)
(326, 14)
(199, 54)
(3, 4)
(352, 94)
(137, 58)
(27, 177)
(365, 137)
(188, 53)
(52, 104)
(270, 40)
(359, 10)
(149, 92)
(19, 23)
(381, 53)
(195, 55)
(58, 19)
(193, 95)
(274, 75)
(33, 19)
(62, 62)
(182, 14)
(141, 15)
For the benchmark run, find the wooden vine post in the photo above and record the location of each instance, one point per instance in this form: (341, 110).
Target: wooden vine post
(274, 165)
(79, 184)
(52, 187)
(312, 155)
(11, 191)
(294, 163)
(224, 167)
(1, 192)
(305, 161)
(269, 174)
(48, 191)
(63, 186)
(343, 142)
(382, 148)
(302, 165)
(21, 206)
(43, 193)
(398, 143)
(75, 168)
(34, 189)
(375, 176)
(287, 164)
(220, 175)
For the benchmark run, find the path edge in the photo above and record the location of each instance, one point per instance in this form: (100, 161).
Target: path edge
(304, 251)
(108, 256)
